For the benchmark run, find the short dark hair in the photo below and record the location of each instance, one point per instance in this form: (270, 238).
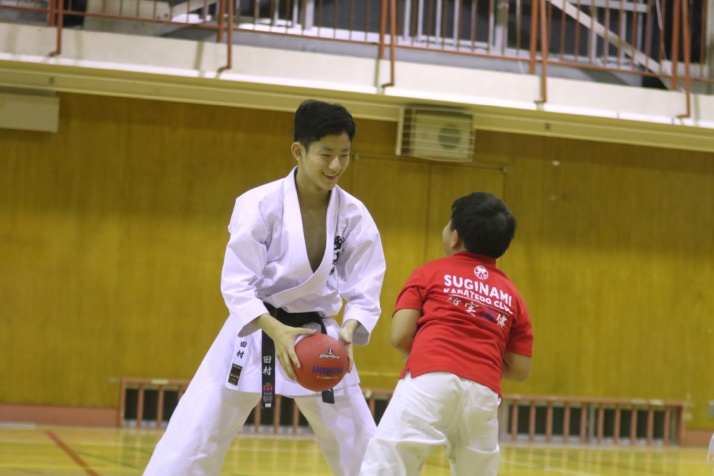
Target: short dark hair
(316, 119)
(484, 224)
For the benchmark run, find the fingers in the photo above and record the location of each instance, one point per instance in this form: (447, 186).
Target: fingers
(345, 337)
(350, 356)
(285, 349)
(288, 357)
(286, 362)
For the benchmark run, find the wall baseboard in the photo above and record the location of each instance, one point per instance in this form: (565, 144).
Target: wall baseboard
(109, 417)
(696, 437)
(59, 415)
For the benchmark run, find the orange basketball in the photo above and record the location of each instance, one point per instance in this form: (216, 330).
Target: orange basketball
(323, 362)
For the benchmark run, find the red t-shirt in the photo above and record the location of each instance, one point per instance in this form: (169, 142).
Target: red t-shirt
(471, 314)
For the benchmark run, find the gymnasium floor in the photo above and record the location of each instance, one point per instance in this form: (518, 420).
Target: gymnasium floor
(37, 450)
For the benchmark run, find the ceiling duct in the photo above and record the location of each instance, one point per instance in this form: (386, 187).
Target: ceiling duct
(445, 135)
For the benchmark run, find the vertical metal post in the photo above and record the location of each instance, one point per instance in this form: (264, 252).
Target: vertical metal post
(531, 422)
(140, 406)
(122, 404)
(544, 46)
(583, 422)
(534, 36)
(675, 44)
(276, 413)
(296, 417)
(59, 22)
(650, 424)
(666, 440)
(514, 421)
(633, 425)
(566, 422)
(160, 406)
(687, 55)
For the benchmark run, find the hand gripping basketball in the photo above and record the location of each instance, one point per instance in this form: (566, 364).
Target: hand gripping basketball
(323, 362)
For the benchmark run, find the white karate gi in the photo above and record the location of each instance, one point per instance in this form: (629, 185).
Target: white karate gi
(266, 260)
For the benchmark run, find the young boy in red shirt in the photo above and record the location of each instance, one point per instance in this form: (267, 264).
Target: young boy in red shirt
(464, 327)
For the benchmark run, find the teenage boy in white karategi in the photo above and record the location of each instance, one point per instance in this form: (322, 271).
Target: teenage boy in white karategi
(298, 246)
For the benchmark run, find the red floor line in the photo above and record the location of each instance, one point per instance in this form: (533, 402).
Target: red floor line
(75, 457)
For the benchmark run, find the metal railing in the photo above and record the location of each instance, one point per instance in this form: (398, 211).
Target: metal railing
(592, 420)
(527, 418)
(665, 40)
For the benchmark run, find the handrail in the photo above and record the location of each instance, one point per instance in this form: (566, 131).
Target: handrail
(543, 28)
(392, 35)
(56, 17)
(687, 54)
(229, 40)
(534, 37)
(544, 53)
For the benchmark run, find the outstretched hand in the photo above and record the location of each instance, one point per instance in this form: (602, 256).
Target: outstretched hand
(345, 338)
(284, 338)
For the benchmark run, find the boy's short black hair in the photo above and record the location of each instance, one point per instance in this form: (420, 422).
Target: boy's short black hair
(484, 224)
(316, 119)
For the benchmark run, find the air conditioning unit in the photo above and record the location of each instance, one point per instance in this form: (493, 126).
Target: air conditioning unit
(436, 134)
(29, 110)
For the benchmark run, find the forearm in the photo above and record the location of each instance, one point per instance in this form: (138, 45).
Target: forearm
(509, 374)
(404, 344)
(516, 367)
(404, 327)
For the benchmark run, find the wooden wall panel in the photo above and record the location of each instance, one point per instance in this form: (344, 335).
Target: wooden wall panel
(394, 192)
(112, 234)
(615, 257)
(447, 183)
(113, 237)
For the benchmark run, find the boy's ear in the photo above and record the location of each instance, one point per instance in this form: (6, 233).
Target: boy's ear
(454, 240)
(298, 150)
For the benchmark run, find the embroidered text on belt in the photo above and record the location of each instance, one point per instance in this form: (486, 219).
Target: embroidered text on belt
(297, 319)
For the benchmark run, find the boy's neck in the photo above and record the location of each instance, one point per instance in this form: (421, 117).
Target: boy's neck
(313, 200)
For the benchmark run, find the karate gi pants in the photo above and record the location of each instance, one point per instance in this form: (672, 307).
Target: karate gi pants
(210, 415)
(436, 409)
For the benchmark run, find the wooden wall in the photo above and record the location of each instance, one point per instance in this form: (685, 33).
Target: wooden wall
(112, 234)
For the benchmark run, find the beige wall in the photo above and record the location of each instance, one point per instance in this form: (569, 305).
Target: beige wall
(112, 234)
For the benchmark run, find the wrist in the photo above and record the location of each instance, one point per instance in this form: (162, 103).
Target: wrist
(351, 325)
(266, 323)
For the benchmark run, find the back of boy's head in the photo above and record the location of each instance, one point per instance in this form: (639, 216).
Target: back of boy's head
(484, 224)
(317, 119)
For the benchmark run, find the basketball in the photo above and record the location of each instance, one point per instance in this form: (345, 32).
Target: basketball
(323, 362)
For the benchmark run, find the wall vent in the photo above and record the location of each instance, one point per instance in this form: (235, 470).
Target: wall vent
(436, 134)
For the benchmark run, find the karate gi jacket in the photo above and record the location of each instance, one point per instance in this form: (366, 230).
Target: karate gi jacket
(266, 260)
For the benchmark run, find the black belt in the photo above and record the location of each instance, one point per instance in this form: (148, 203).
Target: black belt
(297, 319)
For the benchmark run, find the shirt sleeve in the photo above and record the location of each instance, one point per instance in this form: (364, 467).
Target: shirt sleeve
(520, 337)
(361, 267)
(245, 259)
(413, 294)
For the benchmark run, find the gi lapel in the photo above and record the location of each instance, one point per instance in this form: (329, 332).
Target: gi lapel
(293, 222)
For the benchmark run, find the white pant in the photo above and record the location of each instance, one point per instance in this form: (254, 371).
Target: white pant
(436, 409)
(209, 416)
